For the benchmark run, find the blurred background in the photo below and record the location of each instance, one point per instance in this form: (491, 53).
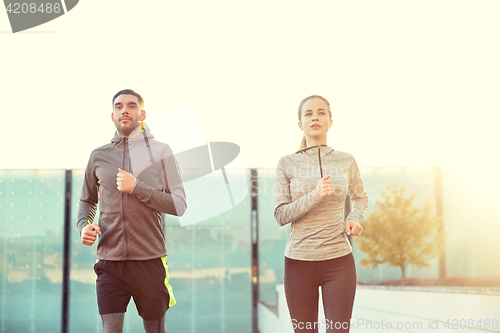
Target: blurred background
(210, 262)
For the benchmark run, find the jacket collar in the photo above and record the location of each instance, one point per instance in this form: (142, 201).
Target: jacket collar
(134, 138)
(313, 150)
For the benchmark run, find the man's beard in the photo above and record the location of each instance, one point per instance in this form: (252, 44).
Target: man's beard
(126, 130)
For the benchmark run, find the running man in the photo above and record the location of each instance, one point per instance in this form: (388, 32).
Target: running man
(135, 179)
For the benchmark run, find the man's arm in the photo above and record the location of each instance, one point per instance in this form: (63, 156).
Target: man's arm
(88, 201)
(172, 201)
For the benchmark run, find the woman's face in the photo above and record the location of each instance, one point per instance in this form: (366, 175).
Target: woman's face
(315, 118)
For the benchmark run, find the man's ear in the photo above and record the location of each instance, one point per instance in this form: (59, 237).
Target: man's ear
(112, 119)
(143, 115)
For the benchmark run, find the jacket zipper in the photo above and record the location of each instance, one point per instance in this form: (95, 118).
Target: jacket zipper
(319, 159)
(125, 158)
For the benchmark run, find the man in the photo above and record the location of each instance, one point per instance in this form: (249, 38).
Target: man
(135, 178)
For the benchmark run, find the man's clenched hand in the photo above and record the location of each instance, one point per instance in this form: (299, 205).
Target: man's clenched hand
(89, 234)
(125, 181)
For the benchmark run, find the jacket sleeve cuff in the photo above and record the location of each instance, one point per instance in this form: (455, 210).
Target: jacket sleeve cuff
(314, 196)
(353, 216)
(133, 188)
(81, 224)
(142, 191)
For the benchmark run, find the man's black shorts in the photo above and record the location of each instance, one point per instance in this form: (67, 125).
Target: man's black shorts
(145, 280)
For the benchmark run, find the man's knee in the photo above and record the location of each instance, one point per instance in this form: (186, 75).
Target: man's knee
(113, 322)
(155, 326)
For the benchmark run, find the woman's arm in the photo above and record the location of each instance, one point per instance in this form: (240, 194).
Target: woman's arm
(357, 193)
(286, 210)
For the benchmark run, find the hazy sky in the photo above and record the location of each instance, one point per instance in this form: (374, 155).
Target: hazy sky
(411, 83)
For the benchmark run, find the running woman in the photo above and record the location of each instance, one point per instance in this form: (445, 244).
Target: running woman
(311, 186)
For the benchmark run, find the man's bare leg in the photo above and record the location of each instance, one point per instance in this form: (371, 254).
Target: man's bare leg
(155, 326)
(113, 322)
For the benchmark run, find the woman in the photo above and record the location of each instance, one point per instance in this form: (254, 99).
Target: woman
(310, 190)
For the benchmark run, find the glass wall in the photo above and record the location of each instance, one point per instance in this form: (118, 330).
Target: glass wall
(209, 271)
(31, 250)
(210, 261)
(272, 240)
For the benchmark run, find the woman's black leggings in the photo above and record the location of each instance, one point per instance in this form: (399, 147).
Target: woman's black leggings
(337, 279)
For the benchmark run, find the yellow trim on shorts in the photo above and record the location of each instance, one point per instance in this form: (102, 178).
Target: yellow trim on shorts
(169, 287)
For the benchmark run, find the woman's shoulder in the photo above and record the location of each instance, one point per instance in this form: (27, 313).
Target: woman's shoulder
(287, 160)
(342, 157)
(292, 158)
(342, 154)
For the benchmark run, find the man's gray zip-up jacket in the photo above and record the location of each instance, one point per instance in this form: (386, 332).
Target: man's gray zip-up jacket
(131, 224)
(318, 230)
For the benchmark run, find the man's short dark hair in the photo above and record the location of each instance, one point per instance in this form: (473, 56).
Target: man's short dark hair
(129, 92)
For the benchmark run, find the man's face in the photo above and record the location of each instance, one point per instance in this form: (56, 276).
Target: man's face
(127, 114)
